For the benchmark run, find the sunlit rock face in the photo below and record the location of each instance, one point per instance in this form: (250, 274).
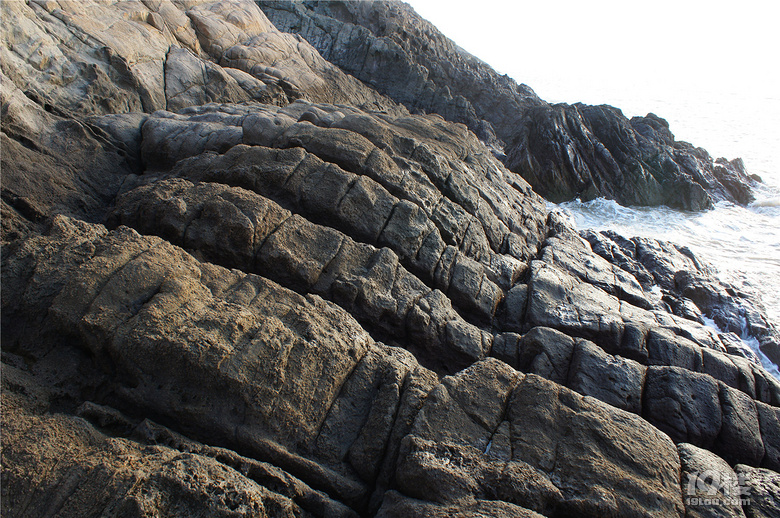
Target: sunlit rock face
(240, 281)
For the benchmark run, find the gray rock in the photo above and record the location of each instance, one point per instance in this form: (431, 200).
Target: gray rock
(473, 402)
(666, 348)
(769, 423)
(240, 229)
(739, 440)
(614, 380)
(191, 81)
(563, 151)
(144, 285)
(546, 352)
(85, 472)
(683, 404)
(558, 300)
(762, 491)
(575, 256)
(550, 470)
(707, 477)
(553, 430)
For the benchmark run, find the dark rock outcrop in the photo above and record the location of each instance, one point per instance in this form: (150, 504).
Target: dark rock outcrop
(238, 281)
(563, 151)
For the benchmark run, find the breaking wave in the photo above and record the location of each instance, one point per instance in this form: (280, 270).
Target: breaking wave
(742, 243)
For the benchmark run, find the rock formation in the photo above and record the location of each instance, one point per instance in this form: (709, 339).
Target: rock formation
(238, 281)
(563, 151)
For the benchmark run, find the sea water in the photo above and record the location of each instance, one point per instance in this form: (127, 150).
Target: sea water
(741, 243)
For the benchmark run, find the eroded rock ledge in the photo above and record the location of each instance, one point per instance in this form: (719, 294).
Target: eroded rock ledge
(238, 281)
(563, 151)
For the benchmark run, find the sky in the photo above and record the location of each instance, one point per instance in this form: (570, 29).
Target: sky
(711, 68)
(565, 49)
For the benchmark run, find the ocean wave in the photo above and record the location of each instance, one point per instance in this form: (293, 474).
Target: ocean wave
(741, 243)
(767, 202)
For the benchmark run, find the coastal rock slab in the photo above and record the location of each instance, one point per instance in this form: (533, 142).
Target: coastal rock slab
(614, 380)
(683, 404)
(762, 488)
(568, 452)
(707, 477)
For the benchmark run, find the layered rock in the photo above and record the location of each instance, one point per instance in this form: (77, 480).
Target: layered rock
(563, 151)
(586, 152)
(228, 295)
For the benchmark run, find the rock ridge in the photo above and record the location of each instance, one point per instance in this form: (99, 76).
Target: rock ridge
(563, 151)
(241, 282)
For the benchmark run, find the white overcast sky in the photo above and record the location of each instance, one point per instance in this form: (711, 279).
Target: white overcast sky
(567, 50)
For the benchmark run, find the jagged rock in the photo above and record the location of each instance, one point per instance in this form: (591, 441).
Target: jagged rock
(116, 291)
(190, 81)
(739, 439)
(550, 426)
(707, 477)
(590, 151)
(546, 352)
(576, 257)
(312, 259)
(620, 252)
(769, 424)
(121, 62)
(762, 491)
(51, 163)
(562, 151)
(550, 469)
(686, 281)
(559, 300)
(388, 46)
(683, 404)
(611, 379)
(82, 472)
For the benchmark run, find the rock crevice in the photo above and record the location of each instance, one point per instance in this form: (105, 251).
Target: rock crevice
(241, 278)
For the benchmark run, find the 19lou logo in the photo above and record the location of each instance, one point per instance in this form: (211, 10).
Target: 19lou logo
(717, 488)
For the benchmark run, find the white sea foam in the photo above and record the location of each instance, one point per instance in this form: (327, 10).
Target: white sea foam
(742, 243)
(751, 346)
(768, 202)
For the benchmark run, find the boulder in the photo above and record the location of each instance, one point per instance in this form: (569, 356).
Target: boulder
(592, 452)
(769, 424)
(569, 454)
(739, 440)
(546, 352)
(710, 487)
(614, 380)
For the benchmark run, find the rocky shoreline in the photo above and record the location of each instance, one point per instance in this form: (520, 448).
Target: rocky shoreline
(263, 273)
(563, 151)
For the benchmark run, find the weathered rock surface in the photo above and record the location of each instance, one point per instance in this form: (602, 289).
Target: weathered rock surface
(82, 472)
(762, 491)
(238, 281)
(91, 58)
(563, 151)
(564, 454)
(705, 477)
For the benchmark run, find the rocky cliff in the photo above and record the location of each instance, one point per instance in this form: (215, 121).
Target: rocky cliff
(563, 151)
(239, 281)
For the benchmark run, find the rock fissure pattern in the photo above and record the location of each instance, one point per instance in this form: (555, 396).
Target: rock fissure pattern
(563, 151)
(242, 279)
